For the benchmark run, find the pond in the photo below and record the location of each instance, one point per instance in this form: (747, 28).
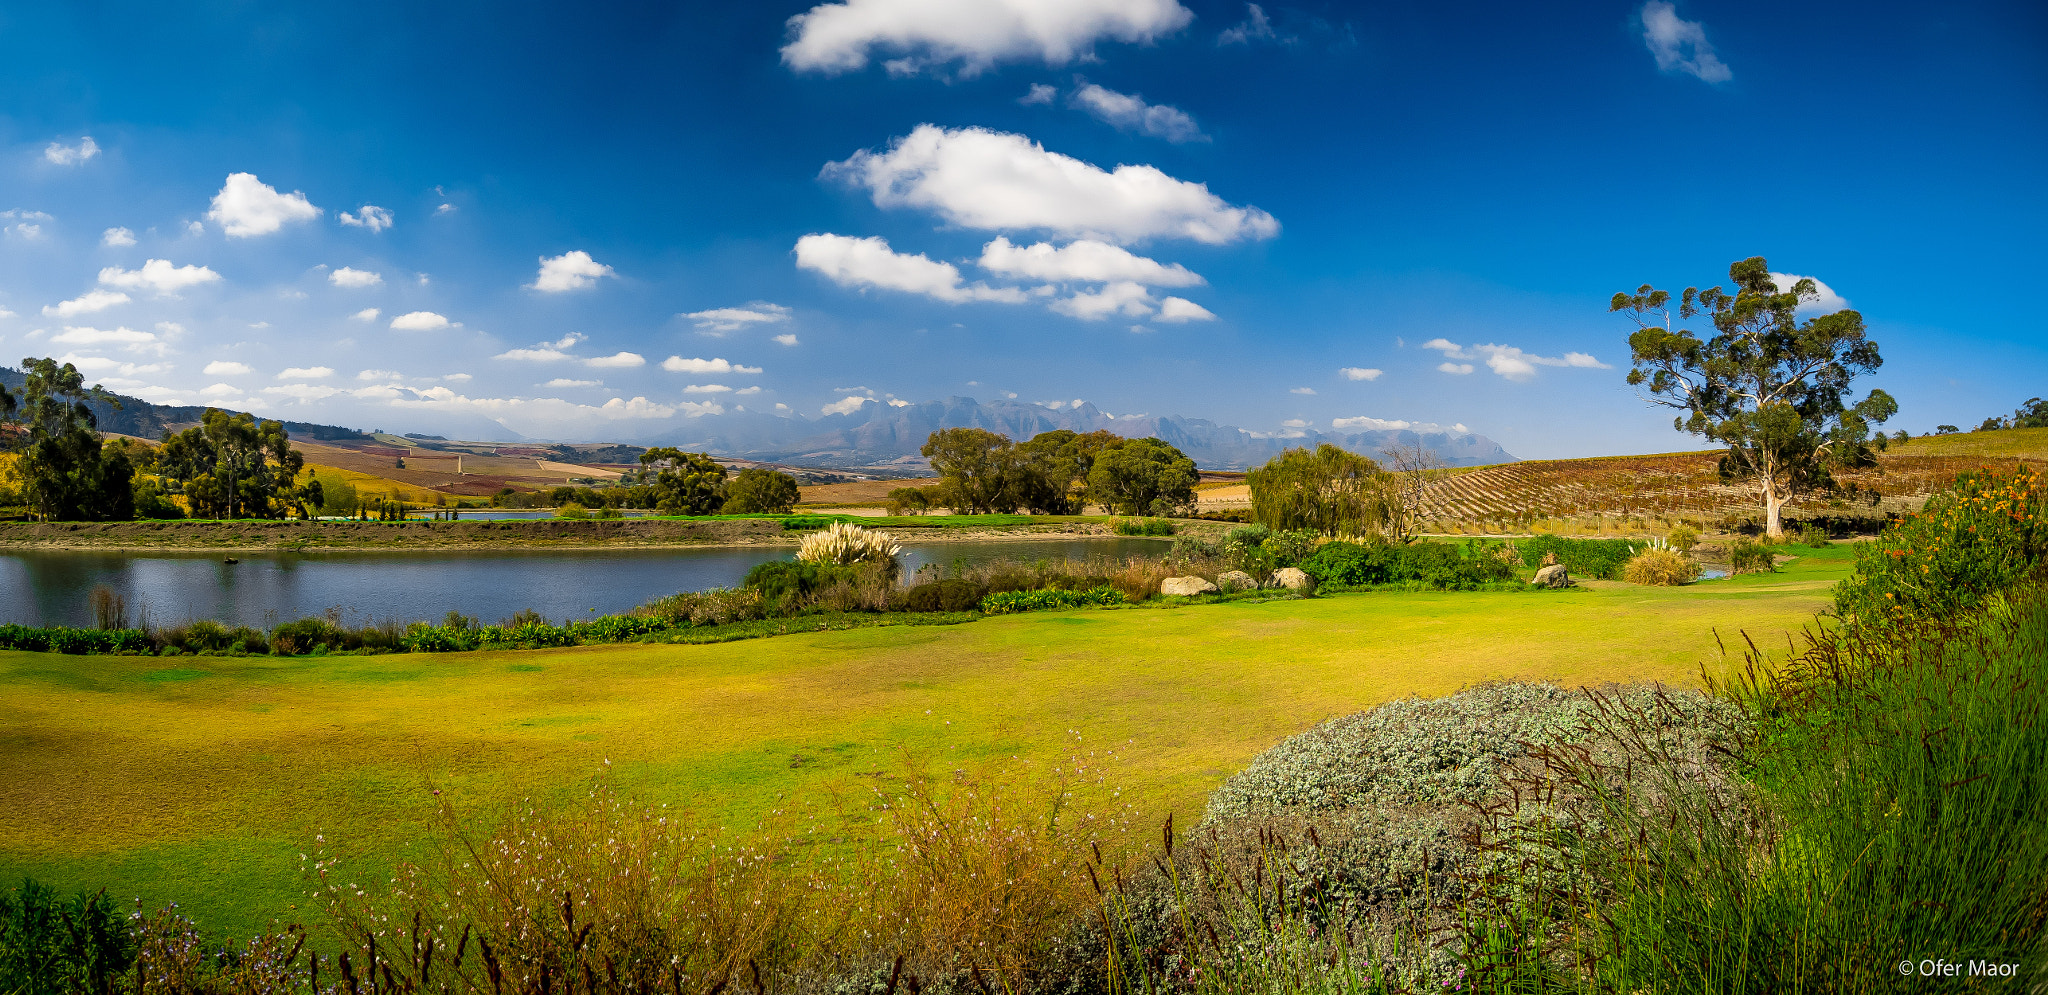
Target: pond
(265, 588)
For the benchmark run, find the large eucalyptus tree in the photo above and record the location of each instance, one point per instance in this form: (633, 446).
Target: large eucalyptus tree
(1772, 388)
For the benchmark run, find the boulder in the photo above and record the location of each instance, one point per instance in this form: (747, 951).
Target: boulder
(1236, 580)
(1553, 575)
(1293, 579)
(1180, 587)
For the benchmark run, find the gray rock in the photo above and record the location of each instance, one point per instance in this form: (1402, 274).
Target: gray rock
(1185, 586)
(1293, 579)
(1236, 580)
(1553, 575)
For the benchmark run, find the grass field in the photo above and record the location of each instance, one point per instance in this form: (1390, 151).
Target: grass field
(202, 780)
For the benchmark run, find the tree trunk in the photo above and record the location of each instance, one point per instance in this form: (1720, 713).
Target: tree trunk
(1774, 506)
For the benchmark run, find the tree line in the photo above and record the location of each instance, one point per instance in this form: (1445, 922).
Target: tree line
(228, 466)
(1052, 473)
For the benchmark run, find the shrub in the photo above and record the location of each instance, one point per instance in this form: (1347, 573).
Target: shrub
(1813, 535)
(1746, 556)
(910, 500)
(305, 635)
(1008, 602)
(784, 580)
(845, 543)
(805, 523)
(1983, 535)
(572, 510)
(1683, 538)
(1583, 557)
(1431, 564)
(950, 595)
(1141, 526)
(49, 946)
(1248, 535)
(1661, 568)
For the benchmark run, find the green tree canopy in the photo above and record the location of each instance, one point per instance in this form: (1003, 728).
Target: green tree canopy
(233, 466)
(1142, 477)
(1771, 388)
(1327, 489)
(976, 468)
(684, 483)
(67, 473)
(760, 491)
(1053, 467)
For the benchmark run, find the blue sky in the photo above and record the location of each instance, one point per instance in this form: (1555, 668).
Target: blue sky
(1206, 209)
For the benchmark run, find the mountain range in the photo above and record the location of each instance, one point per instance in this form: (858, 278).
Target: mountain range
(879, 435)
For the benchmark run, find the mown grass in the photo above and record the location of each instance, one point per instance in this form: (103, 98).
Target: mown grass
(202, 780)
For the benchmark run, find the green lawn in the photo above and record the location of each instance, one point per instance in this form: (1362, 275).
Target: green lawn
(201, 780)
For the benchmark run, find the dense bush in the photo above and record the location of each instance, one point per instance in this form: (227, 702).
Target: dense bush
(1438, 565)
(782, 580)
(1746, 556)
(1985, 534)
(1141, 526)
(66, 639)
(1683, 538)
(53, 946)
(1661, 568)
(1583, 557)
(1008, 602)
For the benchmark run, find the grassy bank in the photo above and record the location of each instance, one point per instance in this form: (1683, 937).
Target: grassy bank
(201, 780)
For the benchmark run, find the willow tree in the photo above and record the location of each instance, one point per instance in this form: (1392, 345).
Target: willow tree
(1330, 490)
(1771, 388)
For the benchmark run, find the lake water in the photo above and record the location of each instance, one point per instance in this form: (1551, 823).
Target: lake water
(51, 588)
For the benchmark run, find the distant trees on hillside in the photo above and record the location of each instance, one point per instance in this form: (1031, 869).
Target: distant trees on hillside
(1053, 473)
(2033, 414)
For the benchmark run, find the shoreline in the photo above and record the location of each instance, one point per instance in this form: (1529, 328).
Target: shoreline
(539, 535)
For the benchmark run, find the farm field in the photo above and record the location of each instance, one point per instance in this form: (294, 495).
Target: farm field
(202, 779)
(1630, 493)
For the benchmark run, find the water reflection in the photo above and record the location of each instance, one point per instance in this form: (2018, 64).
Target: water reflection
(49, 588)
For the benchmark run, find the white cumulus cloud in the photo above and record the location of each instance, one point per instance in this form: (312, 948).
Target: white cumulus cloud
(122, 336)
(1130, 112)
(1123, 297)
(1175, 310)
(869, 262)
(159, 277)
(371, 216)
(573, 270)
(1386, 425)
(117, 237)
(71, 155)
(378, 375)
(1359, 373)
(620, 360)
(847, 405)
(559, 382)
(1508, 361)
(247, 206)
(786, 339)
(719, 320)
(977, 178)
(677, 364)
(354, 278)
(421, 321)
(972, 35)
(1082, 261)
(1300, 390)
(707, 388)
(226, 368)
(1825, 301)
(306, 373)
(1681, 45)
(366, 314)
(90, 301)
